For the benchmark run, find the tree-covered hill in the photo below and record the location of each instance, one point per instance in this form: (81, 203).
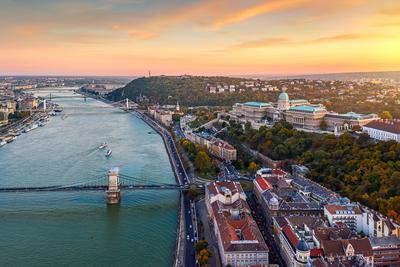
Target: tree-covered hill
(188, 90)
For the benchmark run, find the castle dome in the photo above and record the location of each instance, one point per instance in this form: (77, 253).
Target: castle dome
(302, 246)
(283, 96)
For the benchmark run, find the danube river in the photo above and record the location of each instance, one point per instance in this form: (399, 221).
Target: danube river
(78, 228)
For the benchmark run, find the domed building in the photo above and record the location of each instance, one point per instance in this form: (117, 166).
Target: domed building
(283, 100)
(302, 253)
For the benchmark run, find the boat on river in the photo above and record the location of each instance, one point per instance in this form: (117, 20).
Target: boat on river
(109, 152)
(103, 145)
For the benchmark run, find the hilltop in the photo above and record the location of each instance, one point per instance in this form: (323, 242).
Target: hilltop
(340, 96)
(188, 90)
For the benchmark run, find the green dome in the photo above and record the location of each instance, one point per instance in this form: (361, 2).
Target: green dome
(283, 96)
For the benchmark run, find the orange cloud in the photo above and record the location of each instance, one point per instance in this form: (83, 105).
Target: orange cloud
(346, 37)
(278, 41)
(390, 11)
(266, 42)
(28, 30)
(253, 11)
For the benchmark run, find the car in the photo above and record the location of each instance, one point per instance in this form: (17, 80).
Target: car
(192, 240)
(190, 226)
(187, 237)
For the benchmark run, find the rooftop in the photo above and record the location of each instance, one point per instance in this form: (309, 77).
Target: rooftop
(257, 104)
(342, 209)
(352, 116)
(382, 242)
(392, 126)
(308, 108)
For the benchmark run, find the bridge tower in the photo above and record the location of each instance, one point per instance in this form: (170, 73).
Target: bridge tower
(127, 103)
(114, 191)
(44, 105)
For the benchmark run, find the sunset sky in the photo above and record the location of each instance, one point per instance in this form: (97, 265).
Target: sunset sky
(212, 37)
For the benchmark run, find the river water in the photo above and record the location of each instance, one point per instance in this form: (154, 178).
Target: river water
(78, 228)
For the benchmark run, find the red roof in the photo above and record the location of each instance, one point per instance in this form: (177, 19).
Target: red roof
(316, 252)
(262, 183)
(290, 235)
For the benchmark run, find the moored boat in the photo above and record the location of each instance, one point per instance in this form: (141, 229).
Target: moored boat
(109, 152)
(3, 143)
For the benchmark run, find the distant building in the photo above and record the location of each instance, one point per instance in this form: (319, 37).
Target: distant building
(27, 103)
(383, 130)
(217, 147)
(162, 115)
(239, 240)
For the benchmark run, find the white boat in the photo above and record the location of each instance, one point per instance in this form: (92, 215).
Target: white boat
(109, 152)
(103, 145)
(3, 143)
(34, 126)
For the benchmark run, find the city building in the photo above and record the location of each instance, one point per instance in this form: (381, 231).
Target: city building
(294, 237)
(239, 240)
(349, 214)
(162, 115)
(279, 198)
(342, 122)
(307, 117)
(385, 250)
(383, 130)
(27, 103)
(251, 111)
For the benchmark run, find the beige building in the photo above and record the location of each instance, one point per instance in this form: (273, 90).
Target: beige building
(307, 117)
(240, 242)
(162, 115)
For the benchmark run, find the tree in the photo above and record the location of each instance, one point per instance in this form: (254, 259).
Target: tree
(386, 115)
(203, 256)
(192, 193)
(253, 167)
(202, 244)
(202, 161)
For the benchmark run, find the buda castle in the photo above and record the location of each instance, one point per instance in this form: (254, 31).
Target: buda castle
(300, 113)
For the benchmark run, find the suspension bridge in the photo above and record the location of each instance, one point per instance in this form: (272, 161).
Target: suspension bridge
(112, 184)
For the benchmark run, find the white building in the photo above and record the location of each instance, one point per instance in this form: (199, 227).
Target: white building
(383, 130)
(348, 214)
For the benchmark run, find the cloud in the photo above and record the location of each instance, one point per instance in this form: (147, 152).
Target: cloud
(266, 42)
(256, 10)
(279, 41)
(345, 37)
(28, 30)
(390, 11)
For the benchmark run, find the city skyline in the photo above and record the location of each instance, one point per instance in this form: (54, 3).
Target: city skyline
(128, 38)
